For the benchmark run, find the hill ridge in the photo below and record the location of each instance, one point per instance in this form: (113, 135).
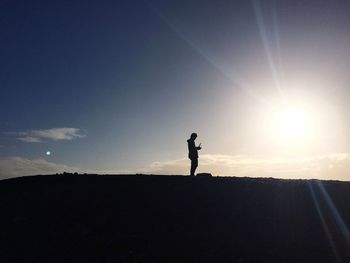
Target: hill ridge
(153, 218)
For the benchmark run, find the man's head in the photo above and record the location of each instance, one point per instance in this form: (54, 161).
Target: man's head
(193, 136)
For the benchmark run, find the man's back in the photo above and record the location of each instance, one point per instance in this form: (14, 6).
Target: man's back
(192, 149)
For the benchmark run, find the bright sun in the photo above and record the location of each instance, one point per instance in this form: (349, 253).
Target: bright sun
(292, 126)
(298, 125)
(292, 123)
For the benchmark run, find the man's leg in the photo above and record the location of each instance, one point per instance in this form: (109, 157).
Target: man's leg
(194, 164)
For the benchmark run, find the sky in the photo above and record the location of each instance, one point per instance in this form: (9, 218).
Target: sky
(119, 86)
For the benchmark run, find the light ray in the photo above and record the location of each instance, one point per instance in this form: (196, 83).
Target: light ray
(323, 221)
(335, 213)
(232, 76)
(278, 45)
(263, 34)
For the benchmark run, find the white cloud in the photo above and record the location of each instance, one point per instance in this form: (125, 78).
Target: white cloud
(333, 166)
(55, 134)
(18, 166)
(29, 139)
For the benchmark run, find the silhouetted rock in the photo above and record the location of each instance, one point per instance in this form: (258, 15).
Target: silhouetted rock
(205, 175)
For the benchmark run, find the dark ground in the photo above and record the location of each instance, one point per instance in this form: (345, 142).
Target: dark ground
(91, 218)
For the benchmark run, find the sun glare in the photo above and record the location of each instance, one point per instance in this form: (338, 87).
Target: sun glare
(292, 123)
(292, 126)
(300, 125)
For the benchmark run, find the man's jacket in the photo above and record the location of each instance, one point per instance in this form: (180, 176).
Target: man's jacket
(192, 149)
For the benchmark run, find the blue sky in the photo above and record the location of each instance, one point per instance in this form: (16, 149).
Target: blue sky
(118, 86)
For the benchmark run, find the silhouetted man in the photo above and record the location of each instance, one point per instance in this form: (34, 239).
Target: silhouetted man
(193, 152)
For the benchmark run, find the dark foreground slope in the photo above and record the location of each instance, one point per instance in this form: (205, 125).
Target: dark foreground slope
(173, 219)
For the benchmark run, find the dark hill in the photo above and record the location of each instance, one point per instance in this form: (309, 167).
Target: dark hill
(90, 218)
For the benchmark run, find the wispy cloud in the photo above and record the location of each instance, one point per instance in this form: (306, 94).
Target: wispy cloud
(55, 134)
(18, 166)
(332, 166)
(29, 139)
